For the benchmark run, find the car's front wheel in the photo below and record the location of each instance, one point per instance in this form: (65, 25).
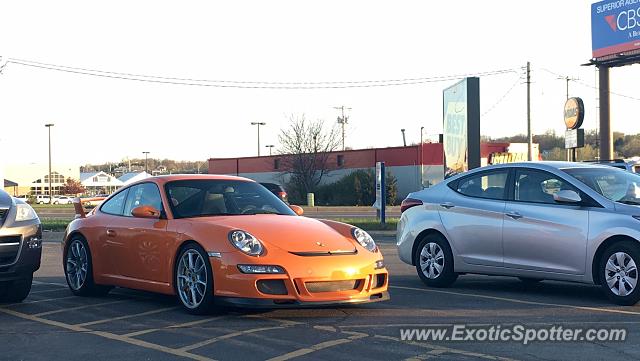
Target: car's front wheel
(78, 269)
(619, 273)
(434, 262)
(15, 291)
(194, 279)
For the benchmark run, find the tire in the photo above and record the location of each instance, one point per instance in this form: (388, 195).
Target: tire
(78, 270)
(434, 261)
(193, 280)
(619, 273)
(16, 291)
(530, 281)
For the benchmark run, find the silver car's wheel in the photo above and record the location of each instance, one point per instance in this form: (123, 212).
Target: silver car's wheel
(77, 265)
(621, 274)
(191, 277)
(431, 260)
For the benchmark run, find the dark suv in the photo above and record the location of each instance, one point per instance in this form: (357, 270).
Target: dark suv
(20, 248)
(277, 190)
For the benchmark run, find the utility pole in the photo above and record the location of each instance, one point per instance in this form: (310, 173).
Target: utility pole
(529, 135)
(146, 169)
(343, 120)
(404, 139)
(258, 124)
(48, 126)
(421, 157)
(270, 146)
(572, 154)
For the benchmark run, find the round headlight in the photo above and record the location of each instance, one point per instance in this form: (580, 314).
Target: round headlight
(246, 242)
(364, 239)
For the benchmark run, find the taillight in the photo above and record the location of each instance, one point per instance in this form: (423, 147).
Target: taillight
(408, 203)
(282, 195)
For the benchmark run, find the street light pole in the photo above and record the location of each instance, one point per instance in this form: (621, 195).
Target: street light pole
(270, 146)
(258, 124)
(343, 120)
(146, 154)
(48, 126)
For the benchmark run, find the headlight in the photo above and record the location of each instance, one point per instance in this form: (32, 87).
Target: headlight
(364, 239)
(24, 212)
(246, 242)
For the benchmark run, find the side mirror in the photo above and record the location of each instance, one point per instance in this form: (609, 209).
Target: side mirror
(299, 211)
(145, 212)
(567, 196)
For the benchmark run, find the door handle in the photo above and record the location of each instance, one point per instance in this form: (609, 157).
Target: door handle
(447, 205)
(514, 215)
(111, 233)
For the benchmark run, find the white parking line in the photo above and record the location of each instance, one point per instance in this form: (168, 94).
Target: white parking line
(78, 308)
(515, 300)
(50, 283)
(126, 317)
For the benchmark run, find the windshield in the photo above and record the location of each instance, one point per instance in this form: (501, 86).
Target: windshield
(217, 197)
(617, 185)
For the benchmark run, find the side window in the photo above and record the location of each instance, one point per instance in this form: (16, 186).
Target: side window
(145, 194)
(538, 186)
(115, 205)
(485, 185)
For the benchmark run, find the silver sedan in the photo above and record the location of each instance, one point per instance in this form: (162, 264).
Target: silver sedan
(544, 220)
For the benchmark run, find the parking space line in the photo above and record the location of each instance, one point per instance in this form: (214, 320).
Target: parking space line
(282, 321)
(228, 336)
(180, 325)
(50, 284)
(91, 323)
(515, 300)
(443, 349)
(107, 335)
(45, 291)
(318, 347)
(38, 301)
(78, 308)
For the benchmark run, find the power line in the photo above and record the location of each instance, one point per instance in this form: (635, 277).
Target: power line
(253, 84)
(578, 81)
(503, 97)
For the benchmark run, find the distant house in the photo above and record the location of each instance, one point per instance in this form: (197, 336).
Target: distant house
(132, 177)
(99, 183)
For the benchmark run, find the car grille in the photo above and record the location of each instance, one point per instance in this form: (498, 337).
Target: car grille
(9, 249)
(333, 286)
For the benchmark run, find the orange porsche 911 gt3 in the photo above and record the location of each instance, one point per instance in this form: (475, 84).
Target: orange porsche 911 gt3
(219, 240)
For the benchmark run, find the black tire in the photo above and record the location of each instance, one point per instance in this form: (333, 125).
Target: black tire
(87, 287)
(206, 304)
(17, 290)
(446, 276)
(530, 281)
(630, 296)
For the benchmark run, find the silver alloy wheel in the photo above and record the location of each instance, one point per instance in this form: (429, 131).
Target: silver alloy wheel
(432, 260)
(191, 278)
(77, 264)
(621, 274)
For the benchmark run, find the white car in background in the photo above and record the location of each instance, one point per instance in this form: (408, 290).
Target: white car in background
(62, 200)
(42, 199)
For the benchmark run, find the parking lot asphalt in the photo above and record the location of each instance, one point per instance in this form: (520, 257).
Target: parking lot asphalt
(132, 325)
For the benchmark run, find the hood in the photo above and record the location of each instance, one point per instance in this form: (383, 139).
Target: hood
(290, 233)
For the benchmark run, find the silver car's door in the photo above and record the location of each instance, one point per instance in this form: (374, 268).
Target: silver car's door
(541, 234)
(472, 214)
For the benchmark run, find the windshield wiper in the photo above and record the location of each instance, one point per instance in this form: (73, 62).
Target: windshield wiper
(260, 211)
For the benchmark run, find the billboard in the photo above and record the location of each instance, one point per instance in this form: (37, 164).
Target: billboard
(615, 27)
(461, 116)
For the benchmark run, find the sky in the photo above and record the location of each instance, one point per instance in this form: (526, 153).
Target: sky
(100, 119)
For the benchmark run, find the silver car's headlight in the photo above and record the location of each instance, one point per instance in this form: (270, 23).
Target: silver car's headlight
(246, 242)
(364, 239)
(24, 212)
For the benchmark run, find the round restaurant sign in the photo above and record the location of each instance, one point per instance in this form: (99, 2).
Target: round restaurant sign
(573, 113)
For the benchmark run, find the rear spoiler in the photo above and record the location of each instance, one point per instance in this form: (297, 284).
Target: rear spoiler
(79, 208)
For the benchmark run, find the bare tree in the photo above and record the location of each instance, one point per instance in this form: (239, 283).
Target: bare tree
(306, 145)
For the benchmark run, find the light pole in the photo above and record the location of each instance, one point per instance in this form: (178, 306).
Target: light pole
(258, 124)
(270, 146)
(572, 154)
(146, 154)
(421, 157)
(404, 139)
(48, 126)
(343, 120)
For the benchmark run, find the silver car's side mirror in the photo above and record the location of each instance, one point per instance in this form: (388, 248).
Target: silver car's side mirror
(567, 196)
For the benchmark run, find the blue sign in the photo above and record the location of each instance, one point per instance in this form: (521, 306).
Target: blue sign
(615, 27)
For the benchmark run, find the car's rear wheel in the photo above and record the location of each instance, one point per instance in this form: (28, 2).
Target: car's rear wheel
(194, 279)
(619, 273)
(434, 261)
(78, 269)
(15, 291)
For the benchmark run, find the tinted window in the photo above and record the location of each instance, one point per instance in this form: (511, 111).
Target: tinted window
(485, 185)
(539, 187)
(215, 197)
(616, 185)
(145, 194)
(115, 205)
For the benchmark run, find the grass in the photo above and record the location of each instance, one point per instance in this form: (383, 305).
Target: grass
(371, 224)
(54, 224)
(45, 206)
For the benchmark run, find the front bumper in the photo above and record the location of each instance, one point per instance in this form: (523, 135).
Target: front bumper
(283, 303)
(22, 260)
